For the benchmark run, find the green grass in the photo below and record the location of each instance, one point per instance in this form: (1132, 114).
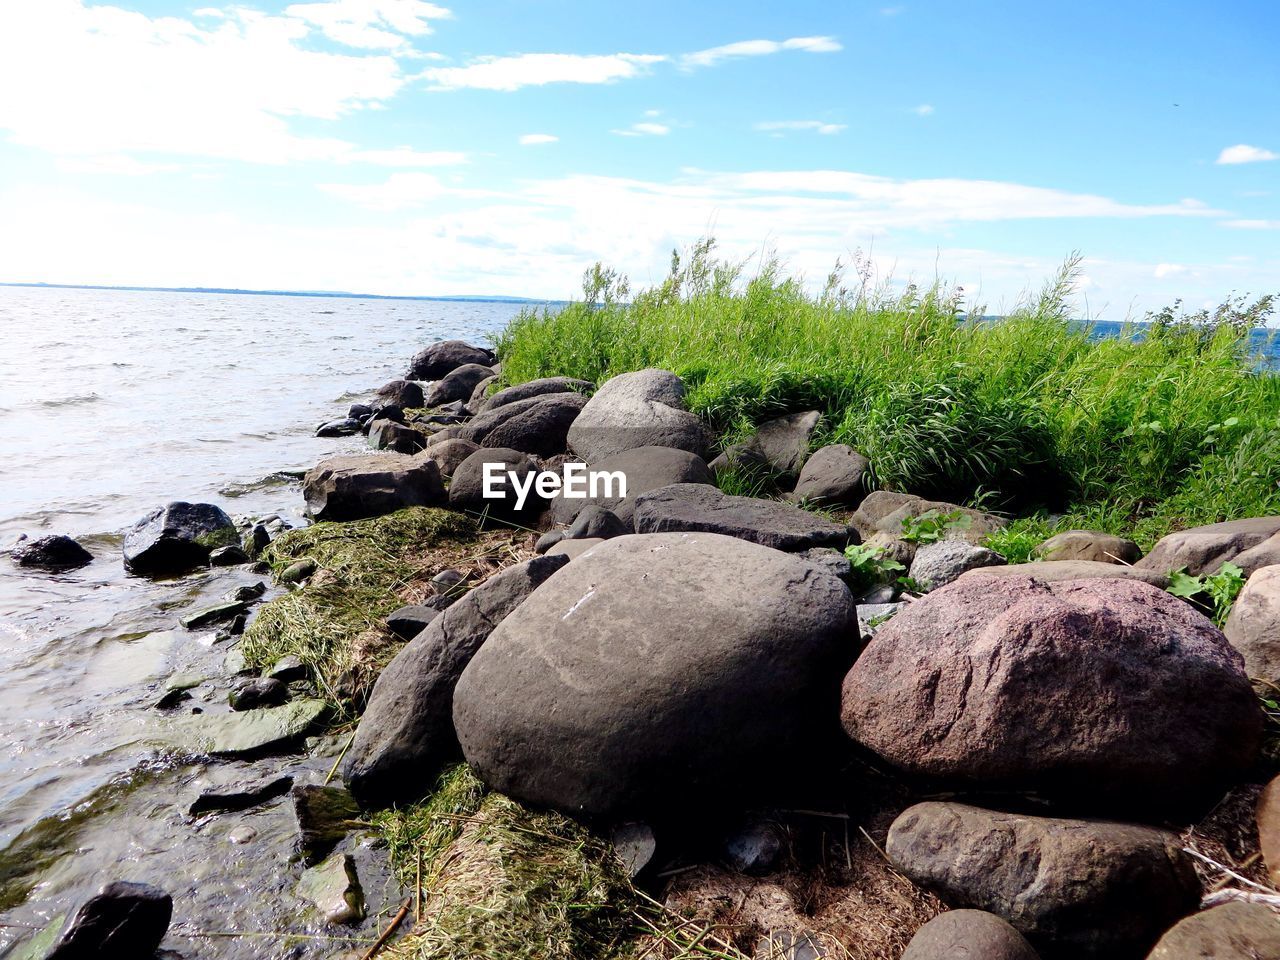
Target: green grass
(1138, 435)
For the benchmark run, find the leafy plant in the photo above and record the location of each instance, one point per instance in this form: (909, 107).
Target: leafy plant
(1017, 542)
(933, 525)
(871, 565)
(1215, 594)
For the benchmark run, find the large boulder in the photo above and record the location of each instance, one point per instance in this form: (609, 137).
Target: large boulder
(1075, 888)
(968, 935)
(641, 409)
(479, 395)
(698, 507)
(467, 488)
(937, 564)
(1233, 931)
(1053, 571)
(657, 672)
(406, 734)
(445, 356)
(176, 538)
(449, 454)
(457, 384)
(536, 388)
(646, 469)
(1087, 688)
(401, 393)
(1264, 554)
(538, 426)
(1253, 626)
(1203, 550)
(779, 446)
(1089, 545)
(357, 487)
(124, 920)
(53, 553)
(835, 475)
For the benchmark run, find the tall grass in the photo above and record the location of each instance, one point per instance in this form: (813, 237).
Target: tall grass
(1148, 432)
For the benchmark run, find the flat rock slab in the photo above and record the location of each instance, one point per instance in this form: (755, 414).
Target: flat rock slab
(1053, 571)
(248, 732)
(123, 920)
(334, 888)
(240, 795)
(697, 507)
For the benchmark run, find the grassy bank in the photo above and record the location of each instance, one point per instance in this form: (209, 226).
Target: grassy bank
(1133, 435)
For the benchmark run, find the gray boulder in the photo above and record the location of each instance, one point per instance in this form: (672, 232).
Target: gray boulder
(596, 523)
(654, 671)
(1233, 931)
(177, 538)
(937, 564)
(1074, 888)
(479, 395)
(1092, 545)
(641, 409)
(124, 920)
(457, 385)
(537, 388)
(779, 446)
(467, 488)
(1203, 550)
(1253, 626)
(357, 487)
(699, 507)
(969, 935)
(449, 454)
(445, 356)
(835, 475)
(54, 553)
(1264, 554)
(406, 734)
(402, 393)
(646, 469)
(538, 426)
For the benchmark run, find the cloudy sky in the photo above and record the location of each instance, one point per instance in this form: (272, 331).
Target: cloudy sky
(501, 146)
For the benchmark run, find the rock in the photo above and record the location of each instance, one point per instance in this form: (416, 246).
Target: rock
(1054, 571)
(968, 935)
(1091, 545)
(1233, 931)
(778, 446)
(445, 356)
(256, 540)
(537, 426)
(448, 583)
(53, 553)
(229, 556)
(573, 548)
(478, 396)
(1203, 550)
(937, 564)
(385, 410)
(251, 732)
(835, 475)
(396, 437)
(641, 409)
(240, 795)
(247, 593)
(124, 920)
(547, 541)
(646, 469)
(346, 427)
(596, 523)
(755, 848)
(884, 512)
(176, 538)
(831, 559)
(1269, 828)
(595, 700)
(407, 622)
(1088, 688)
(358, 487)
(402, 393)
(466, 490)
(635, 845)
(211, 615)
(449, 453)
(536, 388)
(288, 669)
(458, 384)
(872, 616)
(698, 507)
(1264, 554)
(334, 888)
(260, 692)
(298, 571)
(1253, 626)
(325, 815)
(405, 736)
(1074, 885)
(359, 412)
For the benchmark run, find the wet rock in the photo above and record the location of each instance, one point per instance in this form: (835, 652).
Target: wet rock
(779, 446)
(572, 548)
(467, 489)
(256, 540)
(403, 393)
(835, 475)
(359, 412)
(1202, 550)
(250, 732)
(1269, 828)
(1055, 571)
(1089, 545)
(641, 409)
(872, 616)
(548, 540)
(242, 834)
(234, 662)
(288, 669)
(177, 538)
(937, 564)
(211, 615)
(123, 920)
(1093, 688)
(228, 556)
(345, 427)
(448, 454)
(325, 816)
(257, 693)
(396, 437)
(697, 507)
(407, 622)
(536, 388)
(755, 848)
(643, 719)
(298, 571)
(406, 735)
(334, 888)
(354, 488)
(240, 795)
(537, 426)
(1253, 626)
(448, 582)
(247, 593)
(596, 523)
(385, 410)
(457, 385)
(969, 935)
(635, 845)
(1072, 884)
(53, 553)
(445, 356)
(1233, 931)
(646, 469)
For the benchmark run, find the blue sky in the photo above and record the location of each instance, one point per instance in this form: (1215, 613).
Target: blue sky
(407, 147)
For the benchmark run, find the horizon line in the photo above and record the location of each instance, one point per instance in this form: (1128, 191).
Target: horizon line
(239, 291)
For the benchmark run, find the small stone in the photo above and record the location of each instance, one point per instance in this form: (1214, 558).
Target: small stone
(288, 669)
(240, 795)
(872, 616)
(334, 888)
(548, 540)
(211, 615)
(234, 662)
(635, 846)
(1089, 545)
(755, 848)
(242, 834)
(262, 692)
(325, 815)
(359, 411)
(339, 428)
(447, 582)
(246, 594)
(298, 571)
(228, 556)
(573, 548)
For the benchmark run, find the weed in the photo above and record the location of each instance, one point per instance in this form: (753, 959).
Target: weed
(871, 565)
(1215, 594)
(933, 526)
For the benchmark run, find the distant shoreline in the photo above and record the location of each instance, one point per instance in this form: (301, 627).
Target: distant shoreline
(328, 294)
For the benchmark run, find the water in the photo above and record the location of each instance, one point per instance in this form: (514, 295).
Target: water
(111, 403)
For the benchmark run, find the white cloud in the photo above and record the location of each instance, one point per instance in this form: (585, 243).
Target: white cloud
(817, 126)
(113, 164)
(398, 192)
(1165, 270)
(405, 157)
(533, 139)
(758, 48)
(370, 24)
(644, 130)
(1252, 224)
(538, 69)
(1243, 153)
(924, 110)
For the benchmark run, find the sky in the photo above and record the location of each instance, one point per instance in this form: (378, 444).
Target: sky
(405, 147)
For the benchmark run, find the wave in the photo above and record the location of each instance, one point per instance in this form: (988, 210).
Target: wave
(280, 478)
(72, 401)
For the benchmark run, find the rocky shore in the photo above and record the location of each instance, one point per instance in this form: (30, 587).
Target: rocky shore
(824, 720)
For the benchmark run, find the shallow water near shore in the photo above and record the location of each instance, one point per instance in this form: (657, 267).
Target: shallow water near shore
(111, 403)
